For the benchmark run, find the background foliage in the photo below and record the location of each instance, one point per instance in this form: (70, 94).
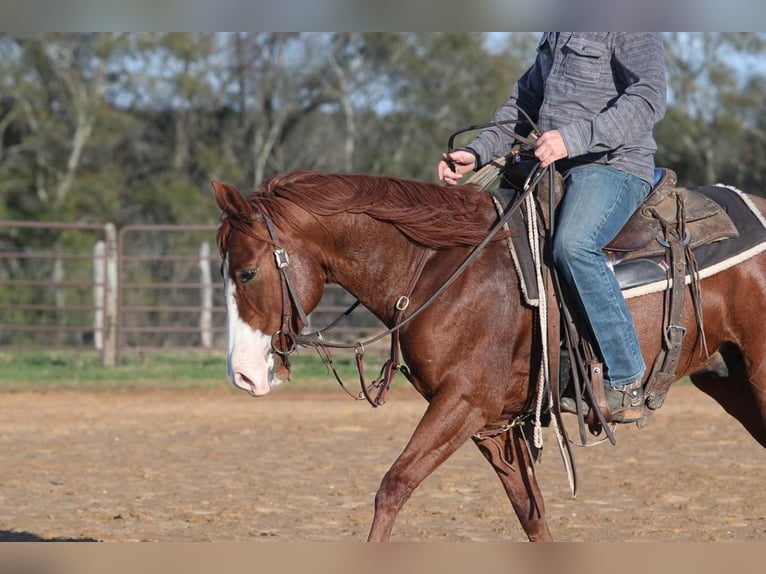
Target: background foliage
(131, 128)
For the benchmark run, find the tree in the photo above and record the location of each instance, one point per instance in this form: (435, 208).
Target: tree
(716, 104)
(430, 85)
(132, 127)
(54, 87)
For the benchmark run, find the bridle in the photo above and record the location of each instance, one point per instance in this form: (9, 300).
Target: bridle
(286, 340)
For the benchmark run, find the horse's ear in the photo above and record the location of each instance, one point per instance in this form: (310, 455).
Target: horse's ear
(231, 202)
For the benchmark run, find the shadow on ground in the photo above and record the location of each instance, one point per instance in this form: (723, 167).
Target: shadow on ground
(11, 536)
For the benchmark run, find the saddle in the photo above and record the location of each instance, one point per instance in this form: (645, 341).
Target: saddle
(664, 211)
(668, 225)
(704, 220)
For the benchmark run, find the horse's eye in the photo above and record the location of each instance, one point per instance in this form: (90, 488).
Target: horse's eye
(246, 275)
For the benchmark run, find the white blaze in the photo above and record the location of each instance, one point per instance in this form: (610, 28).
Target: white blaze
(250, 360)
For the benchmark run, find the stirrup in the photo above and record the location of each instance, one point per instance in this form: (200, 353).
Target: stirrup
(626, 402)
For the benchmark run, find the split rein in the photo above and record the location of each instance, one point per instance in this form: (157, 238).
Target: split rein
(285, 341)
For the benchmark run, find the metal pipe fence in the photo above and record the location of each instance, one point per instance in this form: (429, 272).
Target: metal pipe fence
(142, 288)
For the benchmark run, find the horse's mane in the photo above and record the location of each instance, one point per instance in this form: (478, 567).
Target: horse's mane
(429, 214)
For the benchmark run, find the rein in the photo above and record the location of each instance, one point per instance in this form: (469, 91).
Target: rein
(286, 340)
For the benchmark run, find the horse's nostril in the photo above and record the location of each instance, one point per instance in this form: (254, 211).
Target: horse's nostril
(246, 383)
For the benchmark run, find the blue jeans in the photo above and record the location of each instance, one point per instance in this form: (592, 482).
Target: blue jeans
(597, 203)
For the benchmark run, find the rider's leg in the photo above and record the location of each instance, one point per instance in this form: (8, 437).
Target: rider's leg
(597, 203)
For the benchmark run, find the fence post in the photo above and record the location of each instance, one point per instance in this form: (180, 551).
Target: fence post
(206, 313)
(111, 289)
(99, 282)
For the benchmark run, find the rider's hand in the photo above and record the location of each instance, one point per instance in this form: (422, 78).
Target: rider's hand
(455, 165)
(550, 148)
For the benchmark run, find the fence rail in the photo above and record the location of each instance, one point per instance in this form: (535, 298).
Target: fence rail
(146, 287)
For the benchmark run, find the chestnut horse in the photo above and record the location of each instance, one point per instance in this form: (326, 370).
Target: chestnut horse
(472, 353)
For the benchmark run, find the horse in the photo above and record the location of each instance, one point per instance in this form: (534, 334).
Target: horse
(472, 353)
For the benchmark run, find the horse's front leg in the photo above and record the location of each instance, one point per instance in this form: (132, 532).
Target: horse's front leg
(509, 455)
(448, 423)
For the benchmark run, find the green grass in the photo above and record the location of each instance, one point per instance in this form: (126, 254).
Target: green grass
(49, 371)
(71, 370)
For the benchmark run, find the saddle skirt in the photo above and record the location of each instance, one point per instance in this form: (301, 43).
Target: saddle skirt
(722, 226)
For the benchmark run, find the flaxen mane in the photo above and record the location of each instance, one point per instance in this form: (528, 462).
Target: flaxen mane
(429, 214)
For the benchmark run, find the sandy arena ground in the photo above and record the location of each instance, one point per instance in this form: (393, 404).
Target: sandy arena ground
(221, 466)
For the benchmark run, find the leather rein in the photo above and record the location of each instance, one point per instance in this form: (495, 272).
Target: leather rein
(286, 340)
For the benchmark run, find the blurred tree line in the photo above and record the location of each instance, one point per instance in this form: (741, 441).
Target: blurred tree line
(131, 127)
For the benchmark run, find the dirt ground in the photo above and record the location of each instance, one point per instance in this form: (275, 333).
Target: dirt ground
(221, 466)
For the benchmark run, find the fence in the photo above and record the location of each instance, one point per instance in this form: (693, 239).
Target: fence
(144, 288)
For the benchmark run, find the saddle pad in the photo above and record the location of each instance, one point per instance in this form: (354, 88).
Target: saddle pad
(641, 276)
(713, 257)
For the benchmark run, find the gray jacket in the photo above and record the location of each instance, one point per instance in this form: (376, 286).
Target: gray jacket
(604, 91)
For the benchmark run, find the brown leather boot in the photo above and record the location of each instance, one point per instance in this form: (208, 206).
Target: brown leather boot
(626, 402)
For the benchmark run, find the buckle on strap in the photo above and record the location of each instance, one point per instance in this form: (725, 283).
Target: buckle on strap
(280, 256)
(675, 329)
(666, 244)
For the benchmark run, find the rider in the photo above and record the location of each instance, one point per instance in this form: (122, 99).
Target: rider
(596, 97)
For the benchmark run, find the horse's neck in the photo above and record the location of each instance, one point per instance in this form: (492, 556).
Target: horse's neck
(374, 263)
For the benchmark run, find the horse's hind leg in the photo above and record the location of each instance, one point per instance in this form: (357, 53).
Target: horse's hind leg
(509, 456)
(742, 393)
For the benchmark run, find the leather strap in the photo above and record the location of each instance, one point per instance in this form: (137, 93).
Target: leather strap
(597, 395)
(664, 370)
(383, 382)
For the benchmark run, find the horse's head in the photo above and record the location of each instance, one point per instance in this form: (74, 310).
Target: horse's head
(254, 303)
